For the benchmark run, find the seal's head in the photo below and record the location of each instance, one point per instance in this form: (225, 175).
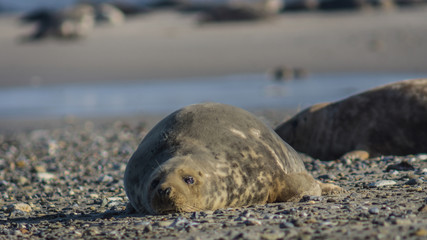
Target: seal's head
(299, 128)
(179, 185)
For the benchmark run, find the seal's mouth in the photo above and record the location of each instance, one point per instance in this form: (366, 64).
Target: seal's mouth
(164, 204)
(165, 208)
(172, 204)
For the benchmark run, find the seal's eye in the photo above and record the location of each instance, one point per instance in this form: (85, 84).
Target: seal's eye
(188, 180)
(154, 184)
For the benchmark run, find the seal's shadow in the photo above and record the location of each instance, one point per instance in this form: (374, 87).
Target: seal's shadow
(61, 217)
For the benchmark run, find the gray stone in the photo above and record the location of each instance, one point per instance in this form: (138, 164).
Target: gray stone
(414, 181)
(374, 210)
(382, 183)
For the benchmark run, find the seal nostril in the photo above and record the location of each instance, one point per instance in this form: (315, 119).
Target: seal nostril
(165, 192)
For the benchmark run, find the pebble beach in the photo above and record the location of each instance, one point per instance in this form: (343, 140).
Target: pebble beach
(67, 183)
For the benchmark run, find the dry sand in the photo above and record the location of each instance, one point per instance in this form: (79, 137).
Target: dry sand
(170, 45)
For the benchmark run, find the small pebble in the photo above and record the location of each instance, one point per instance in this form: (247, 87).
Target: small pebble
(252, 222)
(421, 232)
(307, 198)
(272, 236)
(45, 176)
(414, 181)
(422, 157)
(39, 169)
(269, 217)
(346, 161)
(246, 214)
(203, 214)
(303, 214)
(115, 199)
(240, 218)
(105, 179)
(195, 215)
(165, 223)
(94, 195)
(311, 220)
(218, 211)
(179, 223)
(402, 166)
(400, 221)
(327, 177)
(286, 225)
(382, 183)
(142, 223)
(148, 228)
(18, 207)
(22, 180)
(298, 223)
(374, 210)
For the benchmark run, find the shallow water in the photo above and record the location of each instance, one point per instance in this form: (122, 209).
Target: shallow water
(251, 92)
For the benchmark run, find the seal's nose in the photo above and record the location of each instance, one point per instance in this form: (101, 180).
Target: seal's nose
(164, 192)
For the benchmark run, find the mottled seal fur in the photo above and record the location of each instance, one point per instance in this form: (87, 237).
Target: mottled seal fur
(388, 120)
(210, 156)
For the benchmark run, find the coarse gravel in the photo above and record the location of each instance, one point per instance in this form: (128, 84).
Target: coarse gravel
(67, 183)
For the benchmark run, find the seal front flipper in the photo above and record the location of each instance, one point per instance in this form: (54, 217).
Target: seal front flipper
(356, 155)
(293, 186)
(328, 188)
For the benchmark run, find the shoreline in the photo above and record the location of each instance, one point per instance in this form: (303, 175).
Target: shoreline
(55, 106)
(271, 117)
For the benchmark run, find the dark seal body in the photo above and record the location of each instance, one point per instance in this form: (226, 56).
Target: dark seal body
(70, 23)
(210, 156)
(387, 120)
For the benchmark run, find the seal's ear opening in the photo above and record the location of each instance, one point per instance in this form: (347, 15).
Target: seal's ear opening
(200, 174)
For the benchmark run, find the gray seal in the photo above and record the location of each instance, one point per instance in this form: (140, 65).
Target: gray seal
(387, 120)
(210, 156)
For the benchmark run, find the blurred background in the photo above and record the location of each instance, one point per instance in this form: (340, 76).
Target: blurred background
(110, 59)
